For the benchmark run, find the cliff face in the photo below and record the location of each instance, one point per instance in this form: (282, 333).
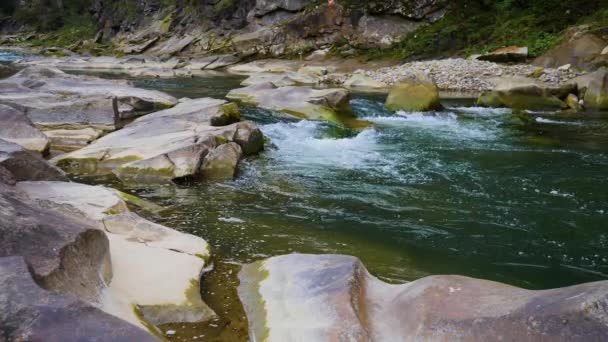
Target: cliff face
(265, 27)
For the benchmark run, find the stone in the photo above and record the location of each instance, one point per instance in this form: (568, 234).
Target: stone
(24, 165)
(212, 62)
(565, 67)
(526, 93)
(313, 70)
(359, 81)
(263, 7)
(30, 313)
(506, 55)
(302, 102)
(573, 102)
(172, 46)
(54, 99)
(576, 51)
(336, 296)
(604, 51)
(594, 86)
(221, 162)
(140, 252)
(382, 31)
(281, 79)
(141, 47)
(318, 55)
(159, 147)
(418, 94)
(489, 99)
(17, 128)
(250, 138)
(72, 139)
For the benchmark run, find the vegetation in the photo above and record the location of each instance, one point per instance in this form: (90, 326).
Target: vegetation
(478, 26)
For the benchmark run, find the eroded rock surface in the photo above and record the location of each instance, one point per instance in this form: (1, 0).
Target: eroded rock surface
(17, 128)
(333, 298)
(165, 145)
(55, 99)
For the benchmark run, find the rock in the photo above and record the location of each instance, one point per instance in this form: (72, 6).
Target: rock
(336, 296)
(573, 102)
(414, 95)
(70, 140)
(565, 67)
(576, 51)
(382, 31)
(318, 55)
(594, 86)
(313, 70)
(263, 7)
(265, 66)
(162, 146)
(325, 104)
(174, 45)
(212, 62)
(24, 165)
(30, 313)
(142, 255)
(140, 48)
(526, 93)
(604, 51)
(17, 128)
(55, 99)
(250, 138)
(221, 162)
(281, 80)
(360, 81)
(506, 55)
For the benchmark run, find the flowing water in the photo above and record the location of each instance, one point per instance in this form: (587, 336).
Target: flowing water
(471, 191)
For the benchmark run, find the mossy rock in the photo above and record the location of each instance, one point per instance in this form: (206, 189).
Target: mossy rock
(413, 96)
(490, 99)
(531, 102)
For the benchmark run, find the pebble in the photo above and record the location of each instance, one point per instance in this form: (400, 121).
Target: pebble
(466, 75)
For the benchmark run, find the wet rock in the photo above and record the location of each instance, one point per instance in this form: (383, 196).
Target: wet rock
(25, 165)
(526, 93)
(55, 99)
(414, 95)
(302, 102)
(159, 147)
(31, 313)
(17, 128)
(250, 138)
(573, 102)
(336, 296)
(593, 88)
(510, 54)
(221, 162)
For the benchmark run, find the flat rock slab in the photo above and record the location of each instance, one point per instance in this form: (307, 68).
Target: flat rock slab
(165, 145)
(30, 313)
(333, 298)
(154, 268)
(281, 79)
(16, 127)
(72, 139)
(53, 98)
(306, 103)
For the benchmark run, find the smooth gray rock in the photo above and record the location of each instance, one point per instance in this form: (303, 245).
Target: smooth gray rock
(331, 297)
(25, 165)
(17, 128)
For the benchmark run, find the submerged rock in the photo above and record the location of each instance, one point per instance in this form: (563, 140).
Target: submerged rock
(418, 94)
(338, 299)
(165, 145)
(55, 99)
(17, 128)
(314, 104)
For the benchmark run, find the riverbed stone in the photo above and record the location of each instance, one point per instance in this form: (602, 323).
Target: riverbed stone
(418, 94)
(509, 54)
(54, 99)
(314, 104)
(593, 88)
(25, 165)
(221, 162)
(281, 79)
(162, 146)
(336, 296)
(363, 82)
(526, 93)
(72, 139)
(16, 127)
(154, 270)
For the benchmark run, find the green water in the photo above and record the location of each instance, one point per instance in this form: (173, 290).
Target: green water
(466, 191)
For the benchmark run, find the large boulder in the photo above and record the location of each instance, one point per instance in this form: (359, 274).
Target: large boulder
(165, 145)
(31, 313)
(593, 89)
(526, 93)
(152, 273)
(337, 299)
(314, 104)
(17, 128)
(25, 165)
(55, 99)
(221, 163)
(418, 94)
(577, 51)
